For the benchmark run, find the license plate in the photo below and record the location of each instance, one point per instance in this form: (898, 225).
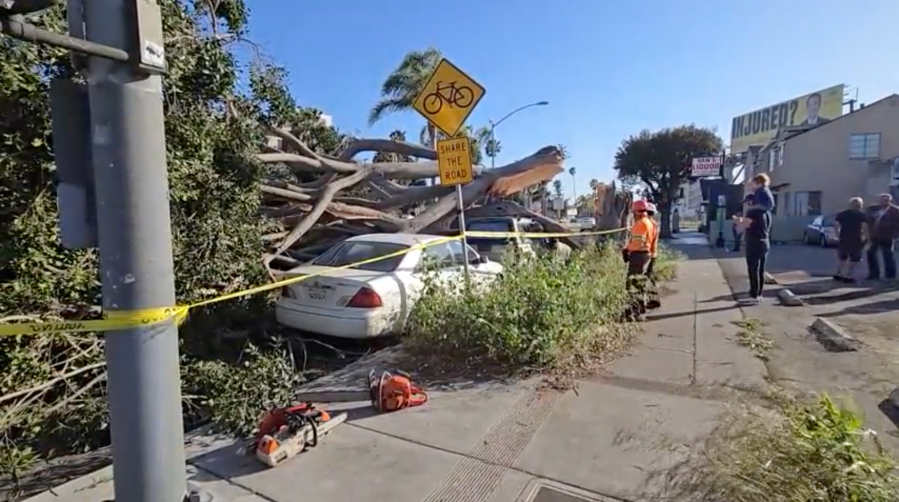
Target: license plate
(316, 295)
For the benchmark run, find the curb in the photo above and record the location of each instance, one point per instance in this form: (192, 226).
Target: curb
(833, 337)
(789, 299)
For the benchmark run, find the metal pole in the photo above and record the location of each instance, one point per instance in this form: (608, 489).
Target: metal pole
(492, 145)
(135, 237)
(463, 230)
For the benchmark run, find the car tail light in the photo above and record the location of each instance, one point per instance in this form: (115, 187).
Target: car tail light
(365, 298)
(286, 292)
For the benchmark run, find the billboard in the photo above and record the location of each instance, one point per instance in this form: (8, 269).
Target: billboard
(760, 126)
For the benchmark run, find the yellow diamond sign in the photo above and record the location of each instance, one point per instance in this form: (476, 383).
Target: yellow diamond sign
(448, 98)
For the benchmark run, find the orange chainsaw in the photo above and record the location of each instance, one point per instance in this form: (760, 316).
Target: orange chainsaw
(286, 432)
(394, 391)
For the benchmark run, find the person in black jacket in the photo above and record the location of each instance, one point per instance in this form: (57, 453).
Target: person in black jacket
(757, 225)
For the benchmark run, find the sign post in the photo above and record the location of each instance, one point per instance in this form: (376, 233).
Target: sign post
(454, 163)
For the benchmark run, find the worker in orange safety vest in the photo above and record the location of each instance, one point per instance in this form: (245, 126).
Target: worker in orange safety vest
(642, 241)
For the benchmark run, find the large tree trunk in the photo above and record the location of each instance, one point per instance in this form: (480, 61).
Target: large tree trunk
(349, 198)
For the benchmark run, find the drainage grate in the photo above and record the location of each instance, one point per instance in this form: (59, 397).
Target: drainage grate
(547, 494)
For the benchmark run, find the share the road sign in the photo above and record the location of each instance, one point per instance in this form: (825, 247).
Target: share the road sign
(454, 161)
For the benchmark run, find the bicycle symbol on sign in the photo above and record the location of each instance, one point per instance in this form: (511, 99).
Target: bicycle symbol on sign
(449, 94)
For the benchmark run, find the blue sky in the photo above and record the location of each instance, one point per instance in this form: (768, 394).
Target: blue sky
(608, 68)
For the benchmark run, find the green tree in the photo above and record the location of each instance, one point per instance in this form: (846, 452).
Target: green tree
(557, 188)
(214, 130)
(662, 160)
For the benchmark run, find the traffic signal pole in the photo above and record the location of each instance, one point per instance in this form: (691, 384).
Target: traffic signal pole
(136, 266)
(122, 166)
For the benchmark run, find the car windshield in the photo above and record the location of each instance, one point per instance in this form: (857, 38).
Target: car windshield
(349, 252)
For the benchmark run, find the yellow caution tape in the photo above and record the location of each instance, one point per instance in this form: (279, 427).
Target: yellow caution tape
(113, 320)
(118, 320)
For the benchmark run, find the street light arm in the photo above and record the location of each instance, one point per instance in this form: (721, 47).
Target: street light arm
(513, 112)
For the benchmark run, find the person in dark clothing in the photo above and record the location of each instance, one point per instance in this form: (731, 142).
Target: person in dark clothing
(850, 229)
(883, 222)
(757, 224)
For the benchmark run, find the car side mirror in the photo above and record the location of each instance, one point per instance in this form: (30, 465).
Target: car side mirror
(480, 260)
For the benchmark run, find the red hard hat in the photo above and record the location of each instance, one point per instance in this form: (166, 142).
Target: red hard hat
(640, 205)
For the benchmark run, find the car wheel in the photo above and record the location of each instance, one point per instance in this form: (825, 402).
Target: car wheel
(822, 241)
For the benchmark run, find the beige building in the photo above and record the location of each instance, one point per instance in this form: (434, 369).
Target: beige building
(815, 171)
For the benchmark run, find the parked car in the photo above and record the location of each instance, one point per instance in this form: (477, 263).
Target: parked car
(586, 223)
(821, 231)
(371, 299)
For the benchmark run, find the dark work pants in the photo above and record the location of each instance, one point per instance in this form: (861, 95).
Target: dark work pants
(885, 248)
(756, 256)
(638, 263)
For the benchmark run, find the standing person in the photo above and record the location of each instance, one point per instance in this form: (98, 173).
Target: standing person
(675, 221)
(641, 242)
(883, 223)
(850, 229)
(757, 224)
(638, 255)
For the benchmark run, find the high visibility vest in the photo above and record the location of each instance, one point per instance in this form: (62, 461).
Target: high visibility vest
(642, 236)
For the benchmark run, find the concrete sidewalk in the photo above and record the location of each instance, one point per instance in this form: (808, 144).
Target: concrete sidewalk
(513, 442)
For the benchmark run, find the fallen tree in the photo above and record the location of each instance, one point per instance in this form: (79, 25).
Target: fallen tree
(337, 197)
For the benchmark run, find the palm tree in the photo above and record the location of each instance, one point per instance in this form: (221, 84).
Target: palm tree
(404, 84)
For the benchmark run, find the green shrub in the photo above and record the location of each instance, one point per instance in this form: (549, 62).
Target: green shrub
(804, 451)
(541, 312)
(667, 262)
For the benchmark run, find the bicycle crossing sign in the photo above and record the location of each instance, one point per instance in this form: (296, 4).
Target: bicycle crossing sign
(454, 161)
(448, 98)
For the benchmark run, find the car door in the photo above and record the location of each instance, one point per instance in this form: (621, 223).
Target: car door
(436, 263)
(815, 228)
(478, 271)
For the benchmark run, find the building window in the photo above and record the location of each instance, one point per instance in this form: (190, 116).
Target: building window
(807, 204)
(780, 155)
(772, 159)
(864, 146)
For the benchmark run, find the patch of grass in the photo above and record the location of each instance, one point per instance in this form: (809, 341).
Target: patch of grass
(752, 337)
(542, 313)
(802, 450)
(667, 263)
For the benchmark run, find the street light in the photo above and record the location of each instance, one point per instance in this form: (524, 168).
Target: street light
(500, 121)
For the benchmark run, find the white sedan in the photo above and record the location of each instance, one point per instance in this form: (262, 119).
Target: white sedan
(371, 299)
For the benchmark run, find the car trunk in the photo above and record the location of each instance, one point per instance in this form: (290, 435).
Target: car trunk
(331, 291)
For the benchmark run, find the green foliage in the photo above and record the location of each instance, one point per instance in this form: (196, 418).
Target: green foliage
(541, 312)
(662, 160)
(217, 113)
(803, 451)
(234, 396)
(665, 268)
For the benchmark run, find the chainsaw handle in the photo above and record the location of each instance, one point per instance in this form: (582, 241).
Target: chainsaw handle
(419, 397)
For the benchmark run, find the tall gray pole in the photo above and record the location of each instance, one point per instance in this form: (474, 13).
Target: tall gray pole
(135, 237)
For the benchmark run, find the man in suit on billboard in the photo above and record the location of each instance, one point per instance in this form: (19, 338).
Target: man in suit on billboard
(812, 108)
